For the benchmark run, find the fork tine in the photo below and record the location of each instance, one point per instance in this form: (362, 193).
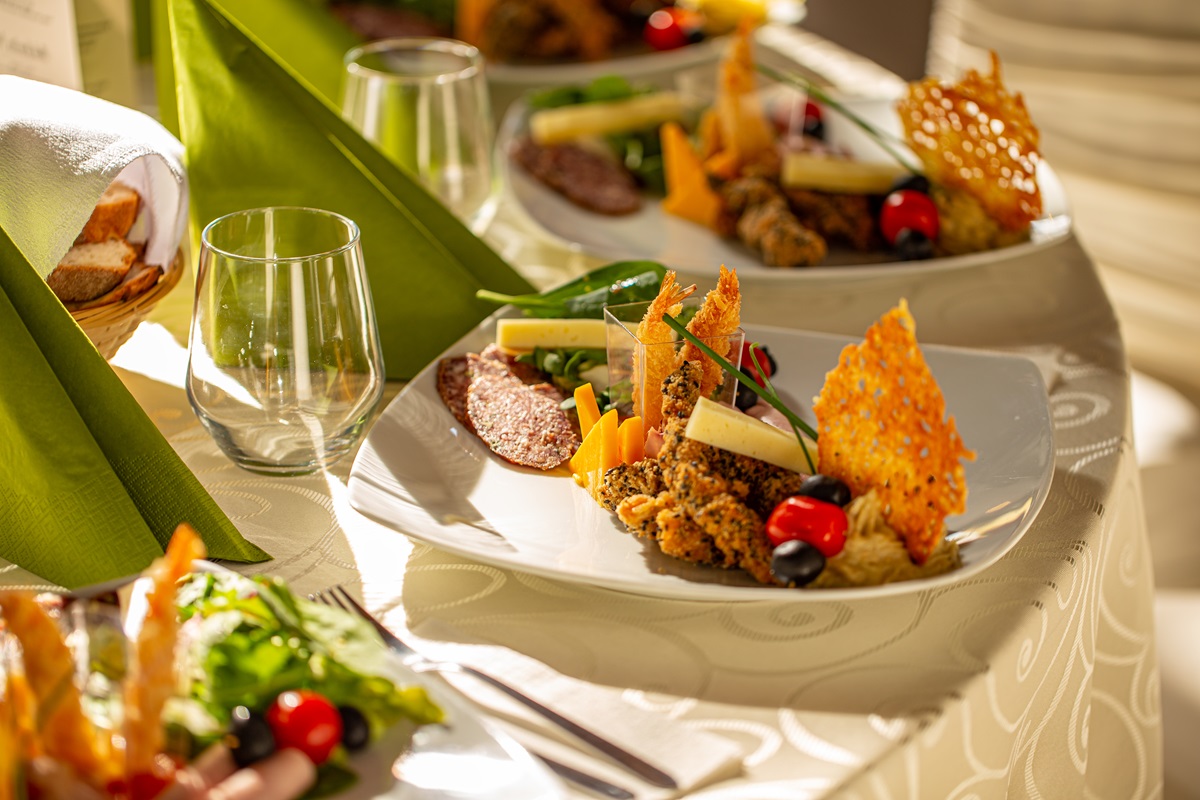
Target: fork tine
(338, 596)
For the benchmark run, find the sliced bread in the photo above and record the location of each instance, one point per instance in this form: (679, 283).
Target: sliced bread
(89, 270)
(113, 216)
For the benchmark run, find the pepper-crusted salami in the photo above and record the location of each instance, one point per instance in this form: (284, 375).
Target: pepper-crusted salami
(453, 378)
(526, 373)
(522, 424)
(583, 177)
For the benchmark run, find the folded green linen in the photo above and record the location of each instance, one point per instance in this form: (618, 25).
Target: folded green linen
(89, 488)
(258, 132)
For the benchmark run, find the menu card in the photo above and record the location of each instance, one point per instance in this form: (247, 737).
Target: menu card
(85, 45)
(38, 41)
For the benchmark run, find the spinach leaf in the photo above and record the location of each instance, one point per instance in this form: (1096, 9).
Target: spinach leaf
(564, 366)
(586, 296)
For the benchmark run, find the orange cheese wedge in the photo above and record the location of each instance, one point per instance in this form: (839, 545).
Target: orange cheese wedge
(688, 193)
(599, 453)
(586, 408)
(632, 436)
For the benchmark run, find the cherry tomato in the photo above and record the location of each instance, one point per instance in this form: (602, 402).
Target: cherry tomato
(147, 786)
(306, 721)
(821, 524)
(908, 209)
(671, 28)
(750, 363)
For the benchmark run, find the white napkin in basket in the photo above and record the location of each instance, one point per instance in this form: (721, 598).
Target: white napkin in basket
(693, 757)
(59, 151)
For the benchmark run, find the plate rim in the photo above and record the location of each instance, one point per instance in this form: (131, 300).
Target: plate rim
(363, 490)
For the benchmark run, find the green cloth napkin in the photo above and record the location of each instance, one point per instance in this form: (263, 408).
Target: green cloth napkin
(259, 133)
(89, 489)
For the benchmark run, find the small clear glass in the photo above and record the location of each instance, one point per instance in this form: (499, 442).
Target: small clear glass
(284, 366)
(626, 387)
(424, 103)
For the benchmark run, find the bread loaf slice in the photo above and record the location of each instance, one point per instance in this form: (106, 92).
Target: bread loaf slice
(89, 270)
(113, 216)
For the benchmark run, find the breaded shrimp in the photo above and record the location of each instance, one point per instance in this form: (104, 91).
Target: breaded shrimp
(718, 318)
(64, 733)
(152, 679)
(659, 361)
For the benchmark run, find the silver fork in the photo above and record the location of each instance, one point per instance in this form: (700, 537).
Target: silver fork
(339, 597)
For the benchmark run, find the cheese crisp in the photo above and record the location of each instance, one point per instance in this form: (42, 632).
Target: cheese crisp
(977, 136)
(883, 426)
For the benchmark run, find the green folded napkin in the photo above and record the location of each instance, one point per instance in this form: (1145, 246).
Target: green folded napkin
(89, 488)
(259, 132)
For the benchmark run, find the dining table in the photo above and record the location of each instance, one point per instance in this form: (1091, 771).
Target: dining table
(1035, 677)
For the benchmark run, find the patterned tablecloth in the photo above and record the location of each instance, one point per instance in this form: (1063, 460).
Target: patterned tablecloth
(1034, 678)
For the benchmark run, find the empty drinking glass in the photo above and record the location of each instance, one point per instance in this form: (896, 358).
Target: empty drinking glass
(284, 366)
(424, 103)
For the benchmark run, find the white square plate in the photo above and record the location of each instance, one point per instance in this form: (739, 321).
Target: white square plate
(420, 473)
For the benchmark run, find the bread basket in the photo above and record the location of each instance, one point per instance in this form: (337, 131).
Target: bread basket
(110, 323)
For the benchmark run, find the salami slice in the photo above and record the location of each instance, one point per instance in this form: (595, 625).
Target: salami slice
(522, 424)
(583, 177)
(453, 379)
(526, 373)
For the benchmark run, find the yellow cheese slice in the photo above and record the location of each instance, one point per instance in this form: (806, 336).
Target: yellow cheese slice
(730, 429)
(808, 171)
(576, 334)
(558, 125)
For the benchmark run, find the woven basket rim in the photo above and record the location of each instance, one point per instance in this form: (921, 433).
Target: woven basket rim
(138, 303)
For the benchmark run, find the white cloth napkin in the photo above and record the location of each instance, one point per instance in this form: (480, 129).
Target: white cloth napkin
(59, 151)
(693, 757)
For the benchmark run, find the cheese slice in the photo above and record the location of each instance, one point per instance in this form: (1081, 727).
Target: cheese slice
(575, 334)
(730, 429)
(558, 125)
(808, 171)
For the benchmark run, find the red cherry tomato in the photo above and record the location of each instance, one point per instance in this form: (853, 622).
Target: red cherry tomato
(306, 721)
(821, 524)
(670, 28)
(147, 785)
(812, 113)
(907, 208)
(751, 364)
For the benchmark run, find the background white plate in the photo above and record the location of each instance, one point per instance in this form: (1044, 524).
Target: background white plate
(420, 473)
(692, 249)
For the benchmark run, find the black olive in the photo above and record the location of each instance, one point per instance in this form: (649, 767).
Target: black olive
(356, 733)
(913, 245)
(823, 487)
(250, 738)
(918, 183)
(746, 398)
(814, 128)
(696, 35)
(796, 562)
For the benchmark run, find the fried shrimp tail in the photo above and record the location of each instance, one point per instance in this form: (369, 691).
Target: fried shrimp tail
(716, 320)
(151, 680)
(652, 364)
(63, 732)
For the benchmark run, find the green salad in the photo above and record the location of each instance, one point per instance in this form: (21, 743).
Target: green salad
(249, 640)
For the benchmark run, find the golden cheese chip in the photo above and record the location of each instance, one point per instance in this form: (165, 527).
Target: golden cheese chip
(977, 136)
(882, 425)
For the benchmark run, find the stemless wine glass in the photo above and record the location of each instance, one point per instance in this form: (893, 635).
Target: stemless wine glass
(424, 103)
(284, 366)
